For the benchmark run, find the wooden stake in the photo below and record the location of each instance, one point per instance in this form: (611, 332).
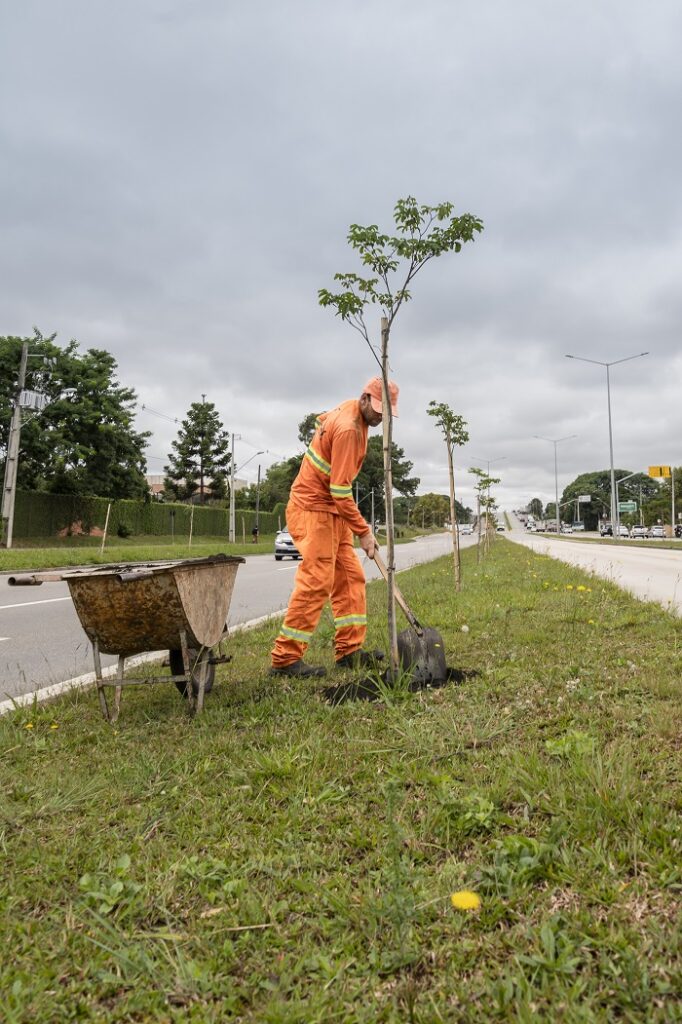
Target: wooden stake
(387, 423)
(106, 527)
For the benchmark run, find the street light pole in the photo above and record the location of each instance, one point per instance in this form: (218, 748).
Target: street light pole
(613, 362)
(555, 442)
(233, 470)
(618, 483)
(9, 490)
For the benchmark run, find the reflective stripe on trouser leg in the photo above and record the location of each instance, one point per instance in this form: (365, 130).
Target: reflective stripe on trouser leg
(349, 598)
(313, 533)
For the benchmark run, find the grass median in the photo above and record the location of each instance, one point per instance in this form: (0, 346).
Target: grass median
(504, 849)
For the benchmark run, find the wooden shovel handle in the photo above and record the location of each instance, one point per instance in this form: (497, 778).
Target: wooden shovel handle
(409, 614)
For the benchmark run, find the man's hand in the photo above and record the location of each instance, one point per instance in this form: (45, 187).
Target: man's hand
(368, 543)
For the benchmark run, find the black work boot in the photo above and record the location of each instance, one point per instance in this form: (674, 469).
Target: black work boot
(299, 669)
(360, 659)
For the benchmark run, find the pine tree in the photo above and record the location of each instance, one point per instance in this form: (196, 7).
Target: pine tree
(200, 458)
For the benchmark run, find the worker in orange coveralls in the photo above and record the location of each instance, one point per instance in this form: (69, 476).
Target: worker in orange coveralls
(322, 518)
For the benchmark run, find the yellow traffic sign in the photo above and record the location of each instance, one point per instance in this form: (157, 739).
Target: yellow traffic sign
(659, 471)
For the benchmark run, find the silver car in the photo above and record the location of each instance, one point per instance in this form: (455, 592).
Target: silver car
(285, 546)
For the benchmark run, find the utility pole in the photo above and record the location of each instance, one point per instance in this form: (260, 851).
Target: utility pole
(258, 497)
(9, 491)
(232, 490)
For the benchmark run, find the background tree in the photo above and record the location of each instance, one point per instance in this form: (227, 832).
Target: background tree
(598, 485)
(200, 457)
(535, 508)
(371, 476)
(306, 428)
(84, 441)
(453, 427)
(422, 234)
(274, 487)
(431, 510)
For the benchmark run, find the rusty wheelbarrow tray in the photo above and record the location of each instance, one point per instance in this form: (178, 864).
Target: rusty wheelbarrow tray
(126, 609)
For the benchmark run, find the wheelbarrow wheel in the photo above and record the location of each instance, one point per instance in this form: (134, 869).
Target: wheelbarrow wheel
(178, 669)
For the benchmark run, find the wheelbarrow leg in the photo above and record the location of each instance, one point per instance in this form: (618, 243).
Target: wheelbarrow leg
(203, 664)
(188, 670)
(119, 688)
(98, 679)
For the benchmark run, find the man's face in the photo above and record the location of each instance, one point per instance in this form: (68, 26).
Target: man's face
(369, 414)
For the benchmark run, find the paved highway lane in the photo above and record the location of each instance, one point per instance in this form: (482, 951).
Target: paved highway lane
(645, 572)
(42, 642)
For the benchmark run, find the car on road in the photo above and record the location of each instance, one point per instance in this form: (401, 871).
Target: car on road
(639, 531)
(466, 530)
(284, 546)
(578, 527)
(657, 531)
(606, 530)
(566, 528)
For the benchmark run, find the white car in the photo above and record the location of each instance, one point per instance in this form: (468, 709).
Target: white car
(466, 530)
(566, 528)
(285, 546)
(657, 531)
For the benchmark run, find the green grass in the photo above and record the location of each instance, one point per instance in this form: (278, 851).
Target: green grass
(131, 550)
(282, 860)
(86, 550)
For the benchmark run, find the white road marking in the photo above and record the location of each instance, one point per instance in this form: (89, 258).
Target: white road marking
(26, 604)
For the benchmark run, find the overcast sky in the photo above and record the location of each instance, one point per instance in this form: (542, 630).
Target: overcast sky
(178, 178)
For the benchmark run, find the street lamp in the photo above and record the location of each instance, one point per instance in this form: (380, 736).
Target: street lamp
(233, 470)
(555, 442)
(618, 483)
(613, 362)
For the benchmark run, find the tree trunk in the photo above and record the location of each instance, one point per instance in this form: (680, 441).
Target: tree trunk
(453, 521)
(478, 518)
(387, 423)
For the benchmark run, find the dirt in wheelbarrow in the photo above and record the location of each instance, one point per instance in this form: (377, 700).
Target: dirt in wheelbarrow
(373, 688)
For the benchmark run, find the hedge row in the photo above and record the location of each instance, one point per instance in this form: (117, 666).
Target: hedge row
(37, 514)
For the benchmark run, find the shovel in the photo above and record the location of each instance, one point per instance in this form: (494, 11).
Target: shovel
(420, 649)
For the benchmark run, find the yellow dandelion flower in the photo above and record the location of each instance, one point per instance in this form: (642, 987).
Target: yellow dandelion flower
(589, 590)
(581, 587)
(465, 900)
(555, 588)
(29, 725)
(590, 622)
(569, 586)
(54, 726)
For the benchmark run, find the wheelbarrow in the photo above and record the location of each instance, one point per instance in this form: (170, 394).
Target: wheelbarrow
(181, 606)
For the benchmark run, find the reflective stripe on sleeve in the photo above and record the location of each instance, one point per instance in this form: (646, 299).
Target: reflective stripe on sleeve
(338, 491)
(317, 461)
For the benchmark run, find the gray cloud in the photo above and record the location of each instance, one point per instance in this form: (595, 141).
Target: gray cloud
(178, 180)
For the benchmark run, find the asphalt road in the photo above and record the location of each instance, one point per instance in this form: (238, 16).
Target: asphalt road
(42, 642)
(643, 571)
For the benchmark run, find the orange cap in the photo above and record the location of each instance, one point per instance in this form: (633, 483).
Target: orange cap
(374, 390)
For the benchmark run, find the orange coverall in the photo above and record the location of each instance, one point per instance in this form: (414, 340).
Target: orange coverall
(322, 518)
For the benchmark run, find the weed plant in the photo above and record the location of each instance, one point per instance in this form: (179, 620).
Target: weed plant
(282, 860)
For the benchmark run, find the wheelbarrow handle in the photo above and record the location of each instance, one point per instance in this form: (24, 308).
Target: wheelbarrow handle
(409, 614)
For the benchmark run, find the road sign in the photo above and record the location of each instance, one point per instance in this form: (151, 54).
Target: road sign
(584, 497)
(659, 471)
(627, 506)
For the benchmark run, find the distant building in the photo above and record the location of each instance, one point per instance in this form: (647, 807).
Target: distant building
(156, 485)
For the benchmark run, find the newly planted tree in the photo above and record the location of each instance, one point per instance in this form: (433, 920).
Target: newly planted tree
(484, 503)
(454, 428)
(393, 261)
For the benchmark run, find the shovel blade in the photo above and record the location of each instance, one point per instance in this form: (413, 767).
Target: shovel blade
(424, 656)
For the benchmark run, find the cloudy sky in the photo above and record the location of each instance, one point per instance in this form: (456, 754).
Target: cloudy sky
(178, 178)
